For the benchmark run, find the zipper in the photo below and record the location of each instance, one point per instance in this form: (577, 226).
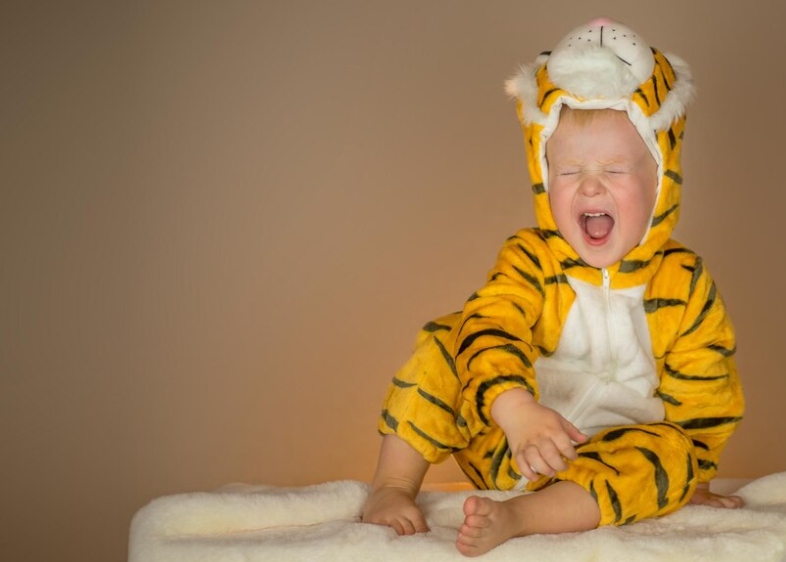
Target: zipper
(612, 375)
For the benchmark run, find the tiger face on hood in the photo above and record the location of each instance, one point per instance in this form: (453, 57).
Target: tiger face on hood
(607, 65)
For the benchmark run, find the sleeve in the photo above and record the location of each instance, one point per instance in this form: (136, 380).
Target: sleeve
(492, 347)
(700, 387)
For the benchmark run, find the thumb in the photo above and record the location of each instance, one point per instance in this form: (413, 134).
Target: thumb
(573, 432)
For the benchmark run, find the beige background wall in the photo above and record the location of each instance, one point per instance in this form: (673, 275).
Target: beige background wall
(223, 223)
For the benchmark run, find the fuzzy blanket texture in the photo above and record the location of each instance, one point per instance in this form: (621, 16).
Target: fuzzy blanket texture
(321, 522)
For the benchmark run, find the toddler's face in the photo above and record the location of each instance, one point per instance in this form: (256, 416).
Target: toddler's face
(602, 183)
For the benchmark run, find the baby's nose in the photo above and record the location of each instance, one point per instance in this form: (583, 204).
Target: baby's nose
(591, 185)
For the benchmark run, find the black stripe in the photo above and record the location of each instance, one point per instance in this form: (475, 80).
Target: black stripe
(659, 219)
(538, 188)
(496, 462)
(430, 439)
(479, 475)
(706, 423)
(434, 327)
(390, 421)
(508, 348)
(688, 480)
(570, 262)
(468, 318)
(521, 310)
(670, 68)
(481, 486)
(437, 402)
(545, 352)
(663, 75)
(707, 465)
(512, 474)
(651, 305)
(448, 358)
(672, 138)
(617, 433)
(655, 89)
(546, 234)
(480, 398)
(638, 91)
(592, 491)
(533, 258)
(673, 175)
(669, 399)
(683, 377)
(473, 296)
(615, 502)
(556, 279)
(470, 339)
(629, 520)
(546, 95)
(697, 271)
(700, 445)
(460, 421)
(677, 251)
(531, 279)
(661, 476)
(629, 266)
(726, 352)
(402, 384)
(596, 457)
(704, 311)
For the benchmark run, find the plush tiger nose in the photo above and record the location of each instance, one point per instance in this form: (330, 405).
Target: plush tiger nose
(597, 22)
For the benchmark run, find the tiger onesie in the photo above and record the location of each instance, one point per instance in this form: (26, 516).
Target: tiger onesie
(638, 355)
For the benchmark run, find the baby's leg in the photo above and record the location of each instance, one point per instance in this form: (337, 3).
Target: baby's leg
(400, 473)
(563, 507)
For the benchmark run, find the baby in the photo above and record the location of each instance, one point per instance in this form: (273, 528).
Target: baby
(595, 367)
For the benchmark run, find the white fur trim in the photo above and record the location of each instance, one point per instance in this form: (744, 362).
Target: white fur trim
(673, 107)
(524, 86)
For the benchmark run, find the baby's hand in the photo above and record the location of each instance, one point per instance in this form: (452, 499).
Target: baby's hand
(538, 436)
(703, 496)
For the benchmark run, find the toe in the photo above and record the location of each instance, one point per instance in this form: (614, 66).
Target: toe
(469, 532)
(478, 521)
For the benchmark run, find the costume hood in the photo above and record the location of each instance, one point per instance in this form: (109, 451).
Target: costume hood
(606, 65)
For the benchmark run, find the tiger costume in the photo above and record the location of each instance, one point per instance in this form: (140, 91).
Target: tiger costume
(638, 355)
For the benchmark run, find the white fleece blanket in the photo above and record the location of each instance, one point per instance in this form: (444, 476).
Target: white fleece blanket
(254, 523)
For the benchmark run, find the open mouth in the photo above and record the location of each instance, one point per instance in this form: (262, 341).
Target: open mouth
(596, 226)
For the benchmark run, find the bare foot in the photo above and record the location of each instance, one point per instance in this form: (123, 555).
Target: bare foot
(395, 508)
(563, 507)
(487, 523)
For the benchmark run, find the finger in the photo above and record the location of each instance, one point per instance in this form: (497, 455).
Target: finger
(552, 456)
(408, 526)
(524, 468)
(397, 527)
(566, 448)
(573, 432)
(535, 460)
(419, 523)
